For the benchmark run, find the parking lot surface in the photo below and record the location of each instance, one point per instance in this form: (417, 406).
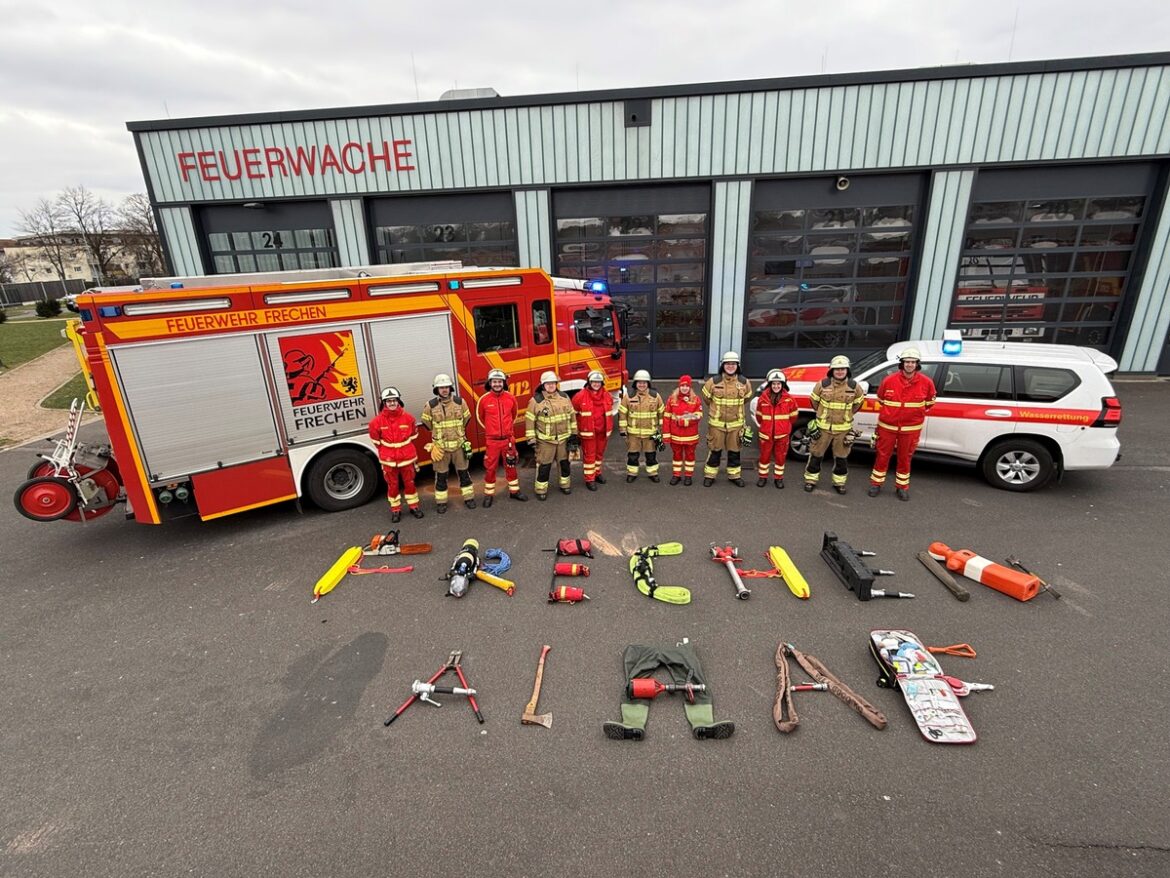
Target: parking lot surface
(173, 704)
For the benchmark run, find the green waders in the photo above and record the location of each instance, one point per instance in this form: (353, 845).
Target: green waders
(682, 664)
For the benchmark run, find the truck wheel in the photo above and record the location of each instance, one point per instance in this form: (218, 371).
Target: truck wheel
(1018, 465)
(798, 441)
(343, 478)
(48, 498)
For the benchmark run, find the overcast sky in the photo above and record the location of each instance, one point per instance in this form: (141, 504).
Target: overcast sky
(73, 73)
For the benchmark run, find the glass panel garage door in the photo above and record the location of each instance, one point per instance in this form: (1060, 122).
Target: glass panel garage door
(278, 236)
(473, 229)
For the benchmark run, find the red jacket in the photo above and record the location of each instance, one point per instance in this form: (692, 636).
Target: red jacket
(394, 434)
(594, 412)
(904, 402)
(774, 414)
(496, 413)
(680, 421)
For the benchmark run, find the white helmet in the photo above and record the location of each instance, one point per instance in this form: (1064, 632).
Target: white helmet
(550, 377)
(595, 375)
(391, 393)
(641, 375)
(729, 357)
(910, 354)
(777, 375)
(441, 380)
(839, 362)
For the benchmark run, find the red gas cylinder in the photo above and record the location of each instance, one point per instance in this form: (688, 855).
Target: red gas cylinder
(567, 594)
(566, 568)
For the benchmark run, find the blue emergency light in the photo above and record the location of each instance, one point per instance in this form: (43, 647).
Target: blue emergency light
(452, 284)
(596, 286)
(952, 344)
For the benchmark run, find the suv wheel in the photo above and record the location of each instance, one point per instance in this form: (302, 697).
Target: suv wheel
(798, 441)
(1018, 465)
(343, 478)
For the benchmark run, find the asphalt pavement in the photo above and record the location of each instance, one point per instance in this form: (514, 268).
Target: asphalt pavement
(173, 704)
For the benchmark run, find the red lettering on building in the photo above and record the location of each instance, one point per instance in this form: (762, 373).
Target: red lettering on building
(329, 159)
(275, 159)
(402, 156)
(252, 163)
(345, 152)
(258, 163)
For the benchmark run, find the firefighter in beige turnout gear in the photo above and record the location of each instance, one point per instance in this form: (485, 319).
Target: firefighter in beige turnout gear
(835, 400)
(639, 414)
(446, 416)
(550, 424)
(725, 394)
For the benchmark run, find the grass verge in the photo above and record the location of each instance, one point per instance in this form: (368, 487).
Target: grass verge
(24, 340)
(74, 388)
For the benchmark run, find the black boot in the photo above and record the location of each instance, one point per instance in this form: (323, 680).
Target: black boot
(809, 487)
(780, 483)
(761, 481)
(687, 480)
(655, 479)
(589, 486)
(902, 493)
(674, 480)
(441, 509)
(416, 512)
(599, 478)
(707, 483)
(468, 504)
(840, 489)
(630, 478)
(395, 517)
(715, 731)
(488, 501)
(519, 495)
(739, 483)
(874, 490)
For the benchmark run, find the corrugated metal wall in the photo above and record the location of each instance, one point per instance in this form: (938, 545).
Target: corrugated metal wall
(1026, 117)
(730, 224)
(178, 232)
(1151, 316)
(946, 218)
(534, 239)
(349, 224)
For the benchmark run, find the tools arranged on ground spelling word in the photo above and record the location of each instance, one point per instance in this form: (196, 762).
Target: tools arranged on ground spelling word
(942, 576)
(468, 567)
(931, 695)
(388, 544)
(642, 569)
(421, 691)
(728, 556)
(845, 561)
(782, 568)
(567, 594)
(826, 680)
(530, 717)
(1013, 583)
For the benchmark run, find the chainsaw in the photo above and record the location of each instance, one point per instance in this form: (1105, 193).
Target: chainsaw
(388, 544)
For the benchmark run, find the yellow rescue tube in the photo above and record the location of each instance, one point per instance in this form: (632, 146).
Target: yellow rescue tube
(791, 576)
(336, 573)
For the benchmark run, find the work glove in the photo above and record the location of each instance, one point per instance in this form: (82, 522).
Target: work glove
(622, 433)
(574, 443)
(466, 447)
(747, 436)
(814, 430)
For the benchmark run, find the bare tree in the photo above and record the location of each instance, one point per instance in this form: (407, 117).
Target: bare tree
(92, 217)
(8, 268)
(140, 235)
(46, 228)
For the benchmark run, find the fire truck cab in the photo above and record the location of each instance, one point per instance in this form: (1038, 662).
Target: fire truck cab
(231, 392)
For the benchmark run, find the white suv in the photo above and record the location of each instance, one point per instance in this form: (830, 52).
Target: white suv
(1022, 413)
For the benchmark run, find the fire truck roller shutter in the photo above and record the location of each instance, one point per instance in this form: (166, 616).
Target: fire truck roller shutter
(409, 351)
(197, 404)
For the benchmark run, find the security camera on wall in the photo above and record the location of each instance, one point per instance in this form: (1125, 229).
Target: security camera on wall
(842, 184)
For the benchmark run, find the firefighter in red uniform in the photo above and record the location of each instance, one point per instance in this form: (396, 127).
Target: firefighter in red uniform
(496, 412)
(393, 430)
(905, 398)
(680, 428)
(594, 407)
(774, 411)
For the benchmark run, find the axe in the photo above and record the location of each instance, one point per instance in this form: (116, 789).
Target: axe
(529, 717)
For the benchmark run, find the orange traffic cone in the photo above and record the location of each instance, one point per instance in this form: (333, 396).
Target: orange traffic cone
(1021, 586)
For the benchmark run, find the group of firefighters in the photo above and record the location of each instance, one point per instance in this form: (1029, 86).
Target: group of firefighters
(558, 426)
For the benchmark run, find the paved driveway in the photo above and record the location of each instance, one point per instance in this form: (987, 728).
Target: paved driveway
(172, 703)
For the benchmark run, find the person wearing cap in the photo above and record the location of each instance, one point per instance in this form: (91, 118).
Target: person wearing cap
(639, 418)
(446, 417)
(549, 424)
(773, 410)
(393, 432)
(725, 393)
(680, 429)
(594, 407)
(835, 400)
(497, 412)
(904, 399)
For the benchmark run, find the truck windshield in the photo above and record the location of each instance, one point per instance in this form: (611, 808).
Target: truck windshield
(594, 327)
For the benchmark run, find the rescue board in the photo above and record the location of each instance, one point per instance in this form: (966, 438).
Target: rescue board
(908, 666)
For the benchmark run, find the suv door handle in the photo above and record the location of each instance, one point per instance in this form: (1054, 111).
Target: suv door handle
(998, 413)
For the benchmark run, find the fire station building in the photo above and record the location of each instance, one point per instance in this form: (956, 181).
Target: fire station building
(788, 219)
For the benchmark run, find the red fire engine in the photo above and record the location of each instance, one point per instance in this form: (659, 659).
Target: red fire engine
(227, 393)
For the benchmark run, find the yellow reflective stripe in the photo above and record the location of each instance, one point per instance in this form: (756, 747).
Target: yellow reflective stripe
(837, 405)
(398, 444)
(912, 428)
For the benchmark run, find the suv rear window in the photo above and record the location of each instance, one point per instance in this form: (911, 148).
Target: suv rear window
(1044, 384)
(976, 381)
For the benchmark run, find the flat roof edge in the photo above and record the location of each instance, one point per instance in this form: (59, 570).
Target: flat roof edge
(820, 80)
